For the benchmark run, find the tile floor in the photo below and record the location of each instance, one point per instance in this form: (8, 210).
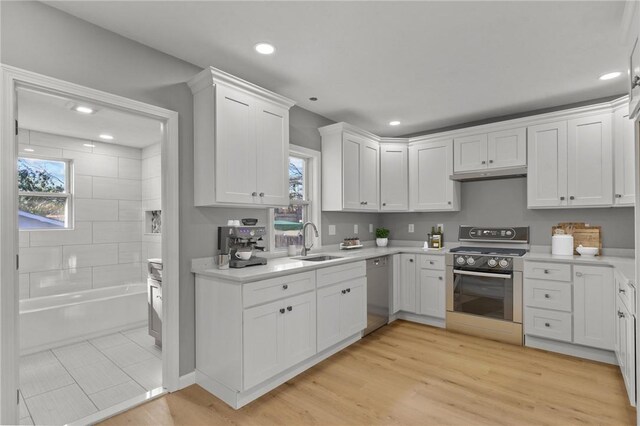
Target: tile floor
(65, 384)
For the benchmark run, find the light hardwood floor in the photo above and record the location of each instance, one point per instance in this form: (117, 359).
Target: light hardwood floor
(408, 373)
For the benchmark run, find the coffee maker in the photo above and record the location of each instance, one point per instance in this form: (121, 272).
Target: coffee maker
(233, 238)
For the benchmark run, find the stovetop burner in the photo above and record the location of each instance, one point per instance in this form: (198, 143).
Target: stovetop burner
(489, 251)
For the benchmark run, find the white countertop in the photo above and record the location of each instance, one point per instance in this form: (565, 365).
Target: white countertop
(280, 266)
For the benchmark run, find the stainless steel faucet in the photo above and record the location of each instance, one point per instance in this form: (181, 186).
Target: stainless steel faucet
(306, 249)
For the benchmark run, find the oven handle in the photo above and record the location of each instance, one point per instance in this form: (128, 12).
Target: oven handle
(482, 274)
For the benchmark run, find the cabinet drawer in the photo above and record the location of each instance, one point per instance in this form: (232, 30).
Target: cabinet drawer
(626, 292)
(550, 324)
(547, 271)
(336, 274)
(547, 294)
(431, 262)
(277, 288)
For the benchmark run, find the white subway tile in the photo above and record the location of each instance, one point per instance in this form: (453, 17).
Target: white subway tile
(81, 256)
(151, 189)
(117, 232)
(34, 259)
(151, 167)
(130, 210)
(59, 282)
(23, 239)
(129, 168)
(81, 234)
(96, 210)
(83, 186)
(129, 252)
(24, 286)
(86, 163)
(57, 141)
(112, 275)
(150, 205)
(117, 150)
(116, 189)
(39, 150)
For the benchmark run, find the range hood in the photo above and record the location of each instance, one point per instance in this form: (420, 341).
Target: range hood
(510, 172)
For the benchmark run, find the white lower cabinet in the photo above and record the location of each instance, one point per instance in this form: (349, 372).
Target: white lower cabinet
(342, 311)
(625, 338)
(431, 291)
(277, 336)
(593, 296)
(407, 284)
(420, 286)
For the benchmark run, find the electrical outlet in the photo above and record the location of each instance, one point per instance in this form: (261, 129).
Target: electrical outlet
(332, 230)
(355, 228)
(411, 228)
(371, 227)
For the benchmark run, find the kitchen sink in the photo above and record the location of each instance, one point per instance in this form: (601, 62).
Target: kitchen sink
(318, 258)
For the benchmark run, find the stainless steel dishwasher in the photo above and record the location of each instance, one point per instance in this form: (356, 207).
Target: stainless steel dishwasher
(378, 290)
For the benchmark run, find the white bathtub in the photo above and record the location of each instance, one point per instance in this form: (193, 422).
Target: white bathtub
(52, 321)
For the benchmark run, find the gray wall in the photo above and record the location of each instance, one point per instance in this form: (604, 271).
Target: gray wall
(504, 202)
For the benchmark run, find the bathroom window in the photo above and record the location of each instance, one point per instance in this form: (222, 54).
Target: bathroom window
(303, 178)
(44, 193)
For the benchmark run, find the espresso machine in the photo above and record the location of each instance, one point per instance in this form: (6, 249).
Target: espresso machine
(233, 238)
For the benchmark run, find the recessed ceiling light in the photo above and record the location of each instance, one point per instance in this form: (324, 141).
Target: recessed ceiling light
(106, 137)
(394, 123)
(265, 48)
(29, 149)
(84, 109)
(89, 145)
(610, 75)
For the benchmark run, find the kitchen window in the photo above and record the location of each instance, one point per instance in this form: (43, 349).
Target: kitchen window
(44, 194)
(304, 206)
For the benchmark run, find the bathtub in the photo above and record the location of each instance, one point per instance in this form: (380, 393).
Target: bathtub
(53, 321)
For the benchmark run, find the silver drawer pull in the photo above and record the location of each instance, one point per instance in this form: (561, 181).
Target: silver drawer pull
(546, 324)
(431, 262)
(440, 278)
(285, 286)
(578, 274)
(547, 296)
(546, 271)
(620, 314)
(621, 290)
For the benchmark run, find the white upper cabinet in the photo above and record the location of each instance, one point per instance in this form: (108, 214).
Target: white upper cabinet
(430, 166)
(470, 153)
(350, 169)
(494, 150)
(590, 161)
(241, 142)
(394, 177)
(624, 158)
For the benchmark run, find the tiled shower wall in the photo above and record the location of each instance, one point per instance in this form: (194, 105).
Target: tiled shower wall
(105, 246)
(151, 196)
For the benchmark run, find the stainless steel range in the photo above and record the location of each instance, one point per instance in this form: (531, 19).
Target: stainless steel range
(484, 282)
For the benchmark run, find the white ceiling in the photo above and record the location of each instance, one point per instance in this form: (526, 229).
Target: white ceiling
(427, 64)
(51, 113)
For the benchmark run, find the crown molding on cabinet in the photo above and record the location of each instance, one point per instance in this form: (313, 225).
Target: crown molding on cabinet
(213, 76)
(346, 127)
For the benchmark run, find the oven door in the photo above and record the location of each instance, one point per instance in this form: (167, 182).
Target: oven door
(484, 294)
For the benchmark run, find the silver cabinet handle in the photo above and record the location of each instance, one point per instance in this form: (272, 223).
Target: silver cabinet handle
(384, 204)
(431, 262)
(578, 274)
(440, 278)
(490, 161)
(282, 310)
(571, 197)
(562, 198)
(618, 195)
(547, 296)
(253, 194)
(285, 286)
(546, 324)
(622, 291)
(546, 271)
(620, 314)
(411, 260)
(449, 202)
(484, 162)
(262, 194)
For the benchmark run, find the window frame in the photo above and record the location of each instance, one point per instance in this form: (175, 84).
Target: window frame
(69, 222)
(312, 195)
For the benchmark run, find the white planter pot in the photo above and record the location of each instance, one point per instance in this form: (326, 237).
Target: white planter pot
(382, 242)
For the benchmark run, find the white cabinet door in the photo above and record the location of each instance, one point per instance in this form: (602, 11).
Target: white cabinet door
(394, 177)
(470, 153)
(395, 307)
(299, 328)
(431, 292)
(430, 166)
(370, 176)
(351, 164)
(329, 315)
(594, 307)
(263, 343)
(353, 307)
(507, 148)
(272, 155)
(624, 159)
(408, 282)
(620, 345)
(590, 161)
(235, 163)
(630, 362)
(547, 165)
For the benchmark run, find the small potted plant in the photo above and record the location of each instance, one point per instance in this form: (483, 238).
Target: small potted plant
(382, 237)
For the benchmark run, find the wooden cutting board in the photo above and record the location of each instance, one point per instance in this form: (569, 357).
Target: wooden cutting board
(583, 234)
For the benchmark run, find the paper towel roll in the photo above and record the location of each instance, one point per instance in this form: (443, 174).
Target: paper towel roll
(562, 245)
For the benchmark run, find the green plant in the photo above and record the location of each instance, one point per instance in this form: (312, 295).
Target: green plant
(382, 233)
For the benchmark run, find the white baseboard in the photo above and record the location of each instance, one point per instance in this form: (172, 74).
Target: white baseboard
(187, 380)
(578, 351)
